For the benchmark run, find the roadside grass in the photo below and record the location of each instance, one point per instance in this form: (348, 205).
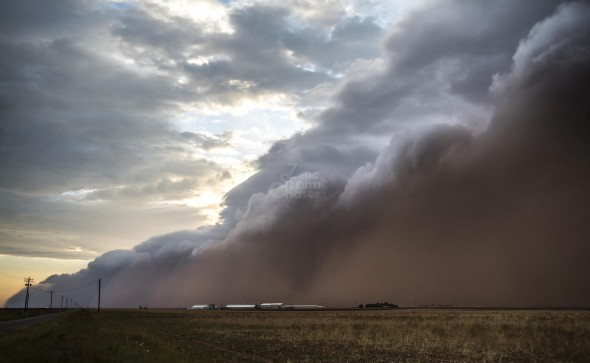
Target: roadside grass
(14, 314)
(83, 336)
(318, 336)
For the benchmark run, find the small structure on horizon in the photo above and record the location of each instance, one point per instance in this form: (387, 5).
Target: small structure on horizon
(203, 307)
(384, 305)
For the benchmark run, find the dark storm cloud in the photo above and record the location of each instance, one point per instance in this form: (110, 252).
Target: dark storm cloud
(441, 214)
(172, 37)
(256, 53)
(352, 39)
(264, 37)
(435, 55)
(421, 81)
(63, 136)
(448, 217)
(292, 157)
(32, 18)
(434, 77)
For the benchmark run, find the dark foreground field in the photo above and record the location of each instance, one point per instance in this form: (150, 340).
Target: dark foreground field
(329, 336)
(12, 314)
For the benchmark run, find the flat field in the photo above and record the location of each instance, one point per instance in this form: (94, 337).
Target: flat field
(297, 336)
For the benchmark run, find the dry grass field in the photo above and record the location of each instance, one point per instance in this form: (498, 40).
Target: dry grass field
(297, 336)
(12, 314)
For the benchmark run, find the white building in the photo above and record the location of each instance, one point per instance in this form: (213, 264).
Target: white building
(203, 307)
(242, 306)
(271, 306)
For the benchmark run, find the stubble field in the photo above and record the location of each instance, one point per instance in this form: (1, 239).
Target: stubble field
(297, 336)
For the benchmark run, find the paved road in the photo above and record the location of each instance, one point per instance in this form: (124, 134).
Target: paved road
(11, 325)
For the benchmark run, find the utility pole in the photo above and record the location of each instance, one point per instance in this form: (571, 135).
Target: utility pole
(61, 306)
(51, 300)
(28, 283)
(99, 295)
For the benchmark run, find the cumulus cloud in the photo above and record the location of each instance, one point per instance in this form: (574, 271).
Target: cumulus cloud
(416, 186)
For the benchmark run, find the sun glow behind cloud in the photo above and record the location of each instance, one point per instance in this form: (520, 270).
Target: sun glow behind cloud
(13, 269)
(210, 14)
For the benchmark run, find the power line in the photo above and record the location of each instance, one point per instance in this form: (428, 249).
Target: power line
(28, 283)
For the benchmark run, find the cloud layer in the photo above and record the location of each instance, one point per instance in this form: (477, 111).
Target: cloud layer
(453, 170)
(123, 120)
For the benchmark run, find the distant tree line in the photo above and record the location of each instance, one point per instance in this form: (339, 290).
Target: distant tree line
(384, 305)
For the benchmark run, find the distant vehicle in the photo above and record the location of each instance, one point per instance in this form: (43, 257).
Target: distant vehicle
(203, 307)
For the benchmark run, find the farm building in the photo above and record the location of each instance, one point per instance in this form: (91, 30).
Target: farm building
(203, 307)
(271, 306)
(242, 306)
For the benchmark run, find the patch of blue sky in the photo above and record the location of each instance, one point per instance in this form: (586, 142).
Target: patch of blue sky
(257, 129)
(119, 5)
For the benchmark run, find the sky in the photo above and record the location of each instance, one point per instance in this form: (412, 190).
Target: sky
(325, 152)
